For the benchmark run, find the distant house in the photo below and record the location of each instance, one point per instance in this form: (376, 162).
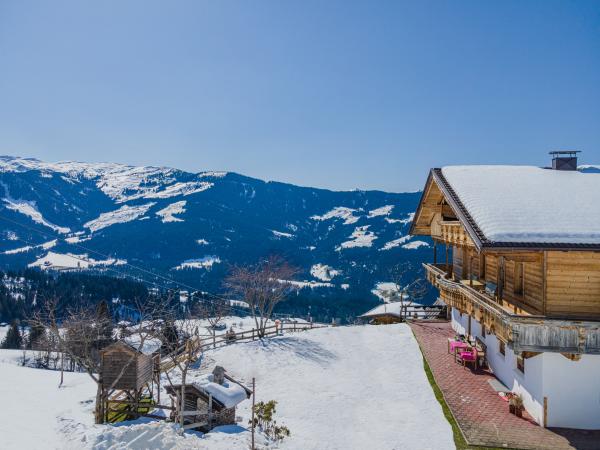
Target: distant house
(396, 312)
(516, 257)
(214, 397)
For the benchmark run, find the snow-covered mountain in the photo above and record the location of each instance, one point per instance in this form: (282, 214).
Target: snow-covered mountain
(193, 226)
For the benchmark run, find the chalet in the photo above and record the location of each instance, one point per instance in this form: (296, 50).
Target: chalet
(516, 257)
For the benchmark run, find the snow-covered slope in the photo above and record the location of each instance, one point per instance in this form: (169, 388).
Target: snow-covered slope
(344, 388)
(166, 220)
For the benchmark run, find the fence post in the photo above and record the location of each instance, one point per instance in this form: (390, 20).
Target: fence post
(253, 402)
(294, 325)
(210, 405)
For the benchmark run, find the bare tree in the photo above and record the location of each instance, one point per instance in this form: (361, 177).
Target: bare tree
(213, 310)
(406, 294)
(188, 350)
(262, 286)
(80, 334)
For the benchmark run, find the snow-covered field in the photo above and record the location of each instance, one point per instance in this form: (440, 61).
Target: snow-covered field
(337, 388)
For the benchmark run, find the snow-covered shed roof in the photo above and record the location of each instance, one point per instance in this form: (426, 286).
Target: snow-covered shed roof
(147, 345)
(525, 205)
(229, 394)
(393, 309)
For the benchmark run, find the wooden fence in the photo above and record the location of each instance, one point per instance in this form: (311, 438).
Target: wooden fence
(200, 344)
(204, 343)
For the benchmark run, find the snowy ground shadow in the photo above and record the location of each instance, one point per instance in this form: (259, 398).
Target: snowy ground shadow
(307, 350)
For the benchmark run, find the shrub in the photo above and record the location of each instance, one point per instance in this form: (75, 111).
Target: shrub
(263, 419)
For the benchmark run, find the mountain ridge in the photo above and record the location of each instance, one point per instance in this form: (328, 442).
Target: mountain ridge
(195, 226)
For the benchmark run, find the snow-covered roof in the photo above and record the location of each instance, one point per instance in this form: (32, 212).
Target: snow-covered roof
(393, 309)
(147, 347)
(229, 393)
(525, 204)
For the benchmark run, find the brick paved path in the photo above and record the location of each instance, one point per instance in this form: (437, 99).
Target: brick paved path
(481, 414)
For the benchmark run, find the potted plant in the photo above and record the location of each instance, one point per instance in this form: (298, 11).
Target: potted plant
(511, 406)
(515, 405)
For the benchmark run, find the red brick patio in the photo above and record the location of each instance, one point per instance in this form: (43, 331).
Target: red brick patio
(480, 413)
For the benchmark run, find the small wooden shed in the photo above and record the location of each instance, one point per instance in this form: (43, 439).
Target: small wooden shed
(125, 367)
(210, 403)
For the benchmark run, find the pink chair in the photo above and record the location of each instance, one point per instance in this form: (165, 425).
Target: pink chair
(457, 345)
(469, 357)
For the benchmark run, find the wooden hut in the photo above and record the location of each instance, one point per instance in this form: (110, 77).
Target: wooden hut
(125, 367)
(210, 402)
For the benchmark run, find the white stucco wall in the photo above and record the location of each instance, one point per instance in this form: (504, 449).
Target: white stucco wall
(573, 391)
(572, 388)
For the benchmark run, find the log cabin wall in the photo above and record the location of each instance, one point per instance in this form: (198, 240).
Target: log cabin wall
(457, 263)
(529, 291)
(145, 364)
(491, 268)
(573, 283)
(119, 369)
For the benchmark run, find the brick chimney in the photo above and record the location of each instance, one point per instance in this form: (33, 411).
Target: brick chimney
(564, 160)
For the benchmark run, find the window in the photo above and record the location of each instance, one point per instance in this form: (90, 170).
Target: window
(501, 348)
(521, 364)
(519, 280)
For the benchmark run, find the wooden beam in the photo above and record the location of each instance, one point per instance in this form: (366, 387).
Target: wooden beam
(194, 425)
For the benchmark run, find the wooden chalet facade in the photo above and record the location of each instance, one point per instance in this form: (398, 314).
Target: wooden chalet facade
(520, 268)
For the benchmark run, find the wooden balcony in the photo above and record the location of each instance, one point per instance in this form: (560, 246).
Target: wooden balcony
(452, 233)
(523, 333)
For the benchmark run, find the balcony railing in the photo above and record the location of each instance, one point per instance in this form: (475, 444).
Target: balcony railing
(529, 333)
(454, 233)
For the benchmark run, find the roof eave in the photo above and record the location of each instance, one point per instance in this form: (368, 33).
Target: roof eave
(418, 212)
(463, 215)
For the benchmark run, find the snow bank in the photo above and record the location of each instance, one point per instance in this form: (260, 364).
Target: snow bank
(124, 214)
(409, 219)
(530, 204)
(361, 238)
(395, 243)
(279, 234)
(176, 189)
(324, 272)
(30, 210)
(415, 244)
(385, 290)
(307, 284)
(339, 212)
(383, 211)
(45, 246)
(168, 214)
(205, 262)
(54, 260)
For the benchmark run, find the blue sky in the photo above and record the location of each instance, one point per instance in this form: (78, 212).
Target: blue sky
(343, 95)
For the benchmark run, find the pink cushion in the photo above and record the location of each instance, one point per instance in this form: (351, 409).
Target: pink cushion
(469, 356)
(457, 344)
